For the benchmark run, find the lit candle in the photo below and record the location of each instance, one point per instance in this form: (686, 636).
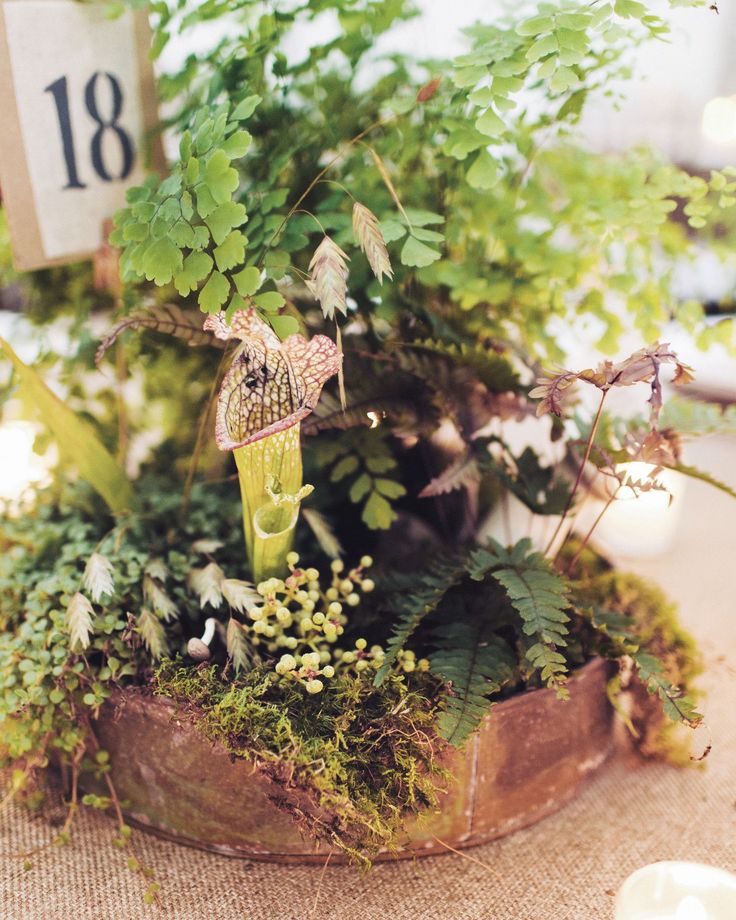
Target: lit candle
(20, 467)
(677, 891)
(638, 524)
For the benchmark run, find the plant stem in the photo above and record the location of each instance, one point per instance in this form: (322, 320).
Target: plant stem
(578, 478)
(121, 373)
(589, 534)
(320, 175)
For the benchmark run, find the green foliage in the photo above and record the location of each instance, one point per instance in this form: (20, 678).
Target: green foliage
(363, 459)
(474, 664)
(695, 417)
(378, 760)
(75, 437)
(411, 598)
(632, 619)
(539, 596)
(62, 653)
(186, 228)
(538, 486)
(493, 225)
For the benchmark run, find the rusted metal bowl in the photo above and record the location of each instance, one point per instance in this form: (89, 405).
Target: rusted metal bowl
(528, 759)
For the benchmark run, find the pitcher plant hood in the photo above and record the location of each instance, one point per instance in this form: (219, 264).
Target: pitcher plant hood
(271, 385)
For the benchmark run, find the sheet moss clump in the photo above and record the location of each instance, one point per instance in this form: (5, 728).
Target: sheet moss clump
(350, 768)
(660, 634)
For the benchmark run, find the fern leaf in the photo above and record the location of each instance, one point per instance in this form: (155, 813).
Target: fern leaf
(474, 668)
(380, 394)
(463, 471)
(329, 277)
(494, 370)
(412, 602)
(694, 473)
(151, 631)
(330, 414)
(678, 707)
(79, 617)
(538, 595)
(166, 318)
(370, 239)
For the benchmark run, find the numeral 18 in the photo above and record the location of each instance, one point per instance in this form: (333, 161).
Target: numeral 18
(60, 92)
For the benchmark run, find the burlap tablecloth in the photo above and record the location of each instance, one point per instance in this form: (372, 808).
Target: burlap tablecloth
(567, 867)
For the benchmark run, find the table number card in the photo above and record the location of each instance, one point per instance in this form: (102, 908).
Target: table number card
(76, 98)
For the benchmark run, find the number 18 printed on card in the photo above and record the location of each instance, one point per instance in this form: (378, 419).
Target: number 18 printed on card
(76, 101)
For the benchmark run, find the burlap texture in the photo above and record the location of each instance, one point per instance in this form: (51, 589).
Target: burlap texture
(567, 867)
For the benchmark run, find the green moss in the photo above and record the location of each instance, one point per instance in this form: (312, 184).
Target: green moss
(659, 632)
(349, 766)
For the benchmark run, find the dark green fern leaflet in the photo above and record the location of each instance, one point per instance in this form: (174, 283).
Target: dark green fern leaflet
(622, 638)
(538, 595)
(493, 370)
(677, 705)
(412, 599)
(475, 665)
(536, 486)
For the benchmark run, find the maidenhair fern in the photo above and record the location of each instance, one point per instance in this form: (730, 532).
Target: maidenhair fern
(538, 595)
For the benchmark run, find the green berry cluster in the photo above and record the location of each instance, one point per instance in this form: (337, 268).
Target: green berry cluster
(305, 622)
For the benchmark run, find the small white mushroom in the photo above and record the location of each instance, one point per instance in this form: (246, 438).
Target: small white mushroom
(199, 649)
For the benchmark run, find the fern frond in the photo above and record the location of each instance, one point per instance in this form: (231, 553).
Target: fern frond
(474, 667)
(329, 413)
(491, 368)
(539, 596)
(412, 599)
(536, 486)
(463, 471)
(166, 318)
(678, 707)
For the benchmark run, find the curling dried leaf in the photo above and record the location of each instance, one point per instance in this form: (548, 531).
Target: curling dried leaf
(462, 472)
(551, 391)
(640, 367)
